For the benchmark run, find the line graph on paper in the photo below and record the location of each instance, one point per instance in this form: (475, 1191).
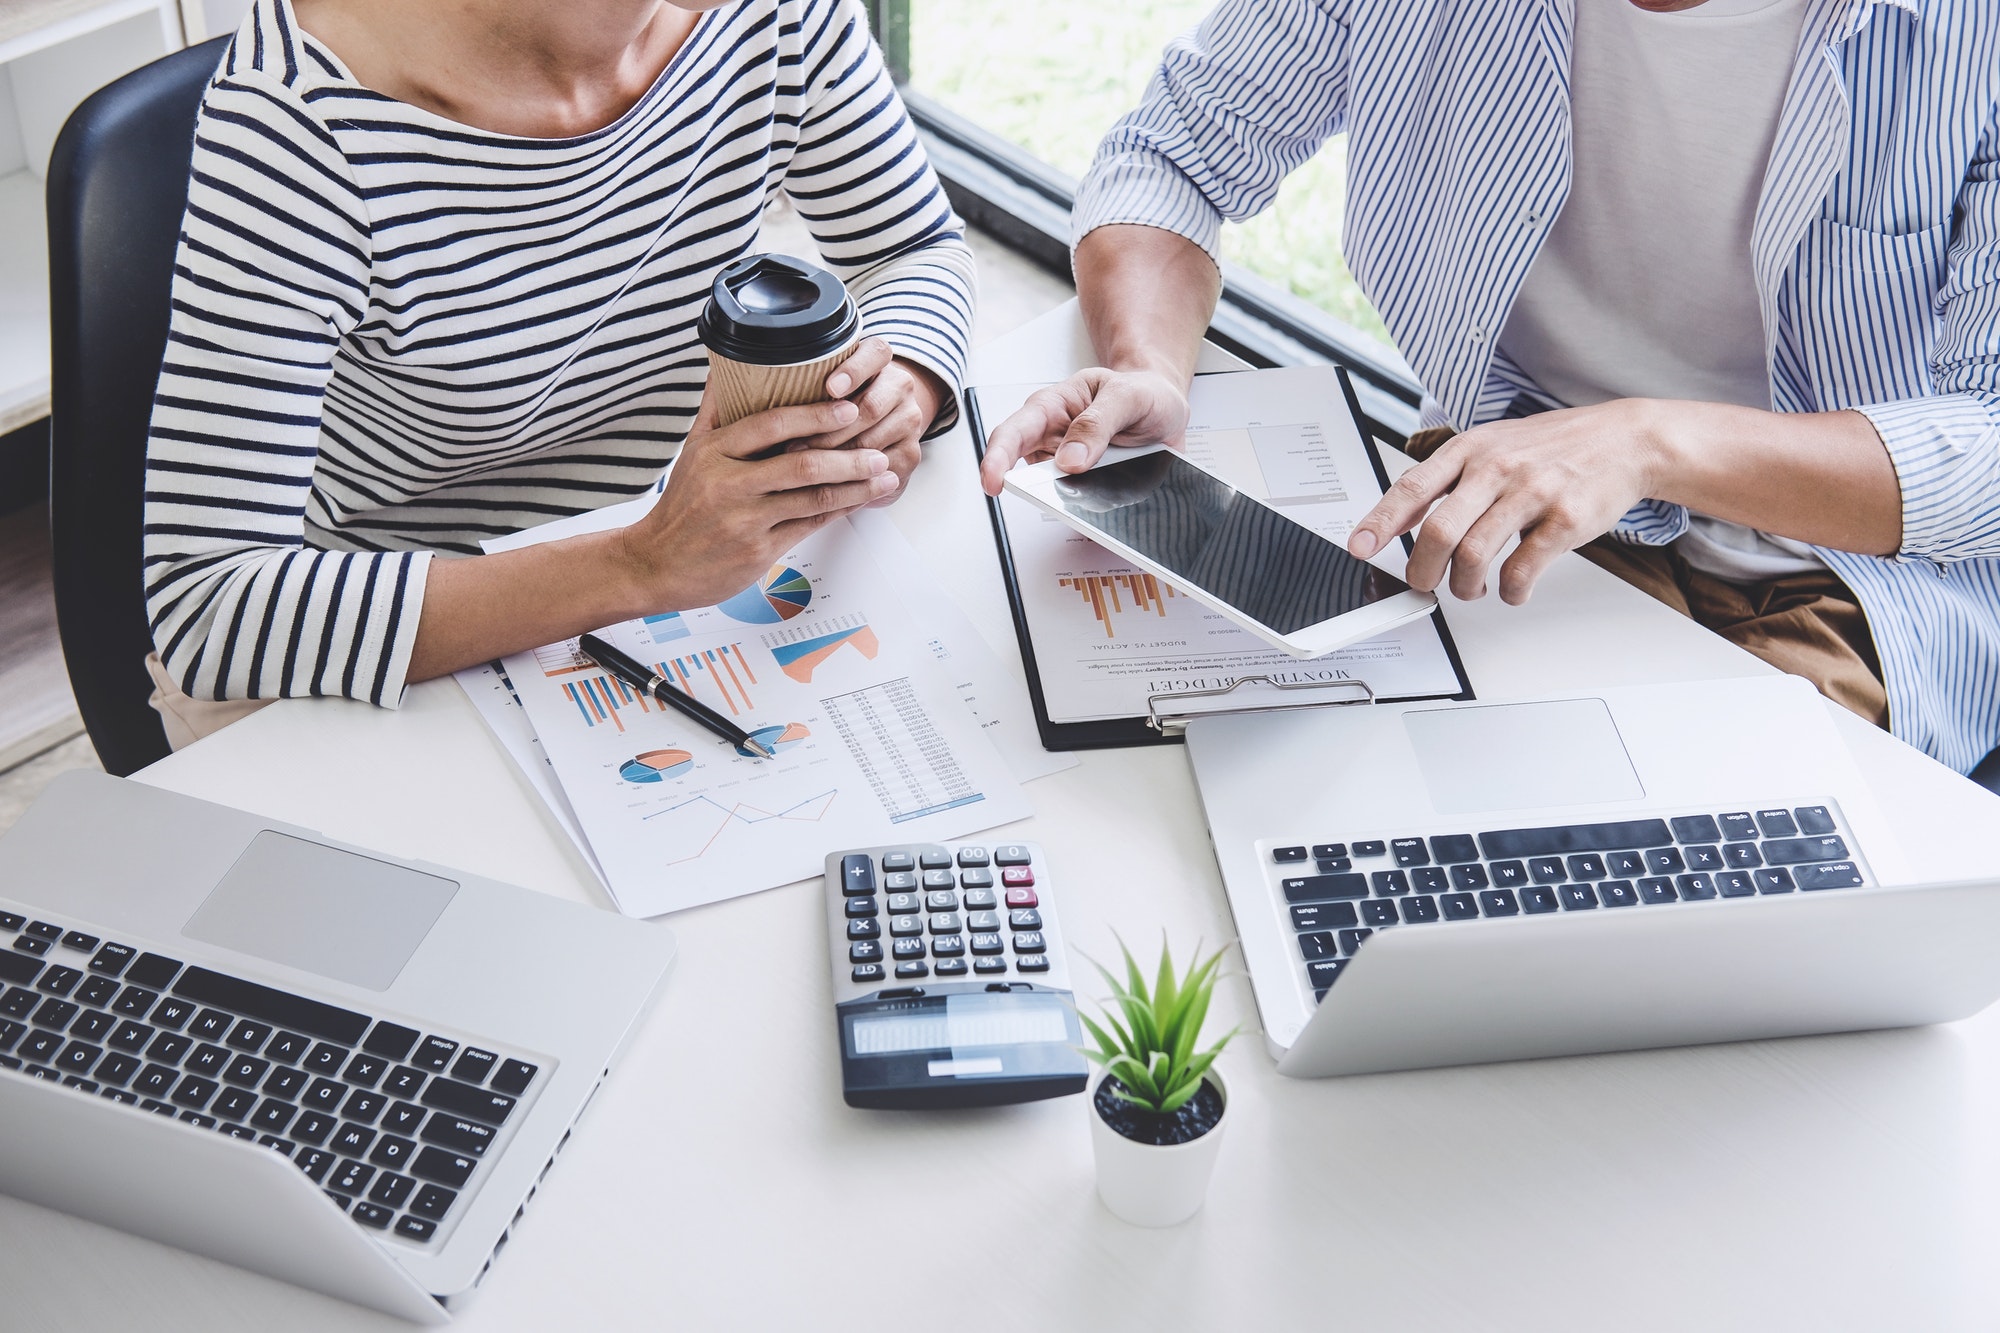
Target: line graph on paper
(691, 829)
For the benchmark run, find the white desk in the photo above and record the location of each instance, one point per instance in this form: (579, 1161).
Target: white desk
(719, 1181)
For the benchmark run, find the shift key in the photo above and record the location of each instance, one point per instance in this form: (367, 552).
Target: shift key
(481, 1104)
(450, 1131)
(442, 1168)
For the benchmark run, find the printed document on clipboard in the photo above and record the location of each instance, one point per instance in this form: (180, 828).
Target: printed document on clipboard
(1110, 649)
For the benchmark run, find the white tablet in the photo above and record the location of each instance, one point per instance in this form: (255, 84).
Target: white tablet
(1226, 549)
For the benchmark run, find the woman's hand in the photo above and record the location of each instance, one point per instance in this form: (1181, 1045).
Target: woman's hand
(898, 400)
(729, 510)
(1075, 421)
(1558, 480)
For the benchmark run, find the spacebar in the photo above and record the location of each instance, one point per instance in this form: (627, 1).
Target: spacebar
(1576, 838)
(272, 1006)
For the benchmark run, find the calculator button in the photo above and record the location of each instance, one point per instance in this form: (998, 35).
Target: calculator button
(1022, 898)
(943, 901)
(946, 923)
(858, 907)
(937, 879)
(987, 944)
(857, 874)
(898, 861)
(1024, 918)
(1033, 963)
(1371, 848)
(952, 967)
(906, 925)
(1287, 855)
(864, 951)
(901, 903)
(1030, 941)
(982, 921)
(1011, 854)
(973, 856)
(981, 880)
(935, 860)
(908, 948)
(989, 964)
(912, 969)
(899, 880)
(1017, 877)
(948, 946)
(864, 930)
(867, 972)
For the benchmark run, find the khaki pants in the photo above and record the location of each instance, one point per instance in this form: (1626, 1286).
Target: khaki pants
(1803, 624)
(185, 718)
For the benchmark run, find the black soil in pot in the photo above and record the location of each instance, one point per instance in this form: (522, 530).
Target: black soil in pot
(1198, 1116)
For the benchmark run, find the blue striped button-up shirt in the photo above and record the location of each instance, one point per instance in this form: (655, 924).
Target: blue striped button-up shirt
(1876, 248)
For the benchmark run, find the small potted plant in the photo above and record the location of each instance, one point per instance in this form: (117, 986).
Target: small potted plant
(1157, 1110)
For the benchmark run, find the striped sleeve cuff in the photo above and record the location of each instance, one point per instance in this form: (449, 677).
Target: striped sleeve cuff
(1137, 185)
(1651, 523)
(1946, 452)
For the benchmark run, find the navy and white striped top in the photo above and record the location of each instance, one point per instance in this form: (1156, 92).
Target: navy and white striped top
(1876, 248)
(393, 334)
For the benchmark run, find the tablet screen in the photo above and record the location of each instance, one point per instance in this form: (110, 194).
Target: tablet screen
(1194, 525)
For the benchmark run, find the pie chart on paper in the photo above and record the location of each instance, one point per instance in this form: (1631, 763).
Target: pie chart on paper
(779, 596)
(656, 766)
(776, 739)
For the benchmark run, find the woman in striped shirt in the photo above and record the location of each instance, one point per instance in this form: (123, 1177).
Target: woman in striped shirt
(438, 280)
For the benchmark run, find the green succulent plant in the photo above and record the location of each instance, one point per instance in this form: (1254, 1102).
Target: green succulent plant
(1151, 1052)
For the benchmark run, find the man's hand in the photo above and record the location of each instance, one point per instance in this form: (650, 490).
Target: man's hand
(729, 510)
(897, 399)
(1076, 420)
(1557, 480)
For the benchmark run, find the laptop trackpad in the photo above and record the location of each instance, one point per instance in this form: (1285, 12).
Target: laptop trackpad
(309, 906)
(1519, 756)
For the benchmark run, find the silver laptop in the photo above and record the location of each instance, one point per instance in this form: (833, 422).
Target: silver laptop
(1433, 884)
(332, 1067)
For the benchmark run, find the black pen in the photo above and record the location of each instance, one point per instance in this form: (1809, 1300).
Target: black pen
(647, 681)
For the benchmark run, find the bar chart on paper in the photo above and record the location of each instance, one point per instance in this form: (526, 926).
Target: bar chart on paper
(904, 758)
(1113, 597)
(720, 677)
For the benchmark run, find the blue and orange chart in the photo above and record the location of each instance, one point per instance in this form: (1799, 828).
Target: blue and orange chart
(717, 676)
(656, 765)
(777, 739)
(800, 652)
(779, 596)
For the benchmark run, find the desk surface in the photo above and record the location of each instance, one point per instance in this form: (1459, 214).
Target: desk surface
(719, 1181)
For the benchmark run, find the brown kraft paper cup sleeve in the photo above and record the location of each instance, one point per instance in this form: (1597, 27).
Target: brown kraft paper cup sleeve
(741, 389)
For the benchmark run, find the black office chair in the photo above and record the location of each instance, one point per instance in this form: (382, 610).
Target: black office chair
(118, 185)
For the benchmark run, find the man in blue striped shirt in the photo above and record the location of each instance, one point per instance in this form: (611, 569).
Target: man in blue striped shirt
(1718, 279)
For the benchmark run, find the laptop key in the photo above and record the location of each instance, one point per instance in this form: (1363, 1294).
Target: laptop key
(249, 1036)
(93, 1025)
(1287, 855)
(1431, 879)
(1629, 864)
(110, 960)
(1578, 897)
(281, 1008)
(1703, 856)
(245, 1071)
(1459, 906)
(172, 1013)
(313, 1127)
(1469, 878)
(1508, 874)
(77, 940)
(152, 970)
(134, 1001)
(1323, 916)
(1777, 824)
(1742, 855)
(391, 1041)
(1774, 881)
(1696, 828)
(443, 1168)
(29, 944)
(364, 1070)
(12, 921)
(235, 1104)
(1738, 826)
(1587, 866)
(315, 1162)
(273, 1115)
(1617, 893)
(78, 1057)
(19, 967)
(1350, 940)
(352, 1140)
(1736, 884)
(40, 1047)
(288, 1047)
(1568, 838)
(1665, 861)
(198, 1120)
(390, 1189)
(1419, 909)
(392, 1151)
(1390, 883)
(19, 1002)
(97, 992)
(372, 1215)
(283, 1147)
(116, 1068)
(208, 1058)
(513, 1076)
(44, 930)
(1379, 912)
(1827, 875)
(415, 1228)
(1813, 819)
(59, 981)
(1410, 852)
(1333, 865)
(487, 1107)
(57, 1014)
(323, 1095)
(10, 1032)
(326, 1058)
(404, 1081)
(1320, 975)
(351, 1177)
(459, 1134)
(1317, 944)
(1320, 888)
(1538, 898)
(1499, 902)
(194, 1092)
(1695, 888)
(1792, 851)
(363, 1106)
(1454, 847)
(1657, 889)
(1372, 847)
(211, 1025)
(286, 1083)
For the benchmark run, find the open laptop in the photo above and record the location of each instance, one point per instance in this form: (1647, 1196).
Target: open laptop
(332, 1067)
(1432, 884)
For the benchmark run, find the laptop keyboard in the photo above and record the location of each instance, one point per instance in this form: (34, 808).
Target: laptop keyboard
(393, 1123)
(1340, 893)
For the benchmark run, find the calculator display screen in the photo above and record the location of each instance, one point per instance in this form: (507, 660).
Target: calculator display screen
(1278, 572)
(961, 1022)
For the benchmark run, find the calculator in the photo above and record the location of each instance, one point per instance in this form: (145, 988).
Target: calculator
(950, 982)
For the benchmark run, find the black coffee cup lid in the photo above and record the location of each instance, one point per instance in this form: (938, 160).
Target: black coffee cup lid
(774, 310)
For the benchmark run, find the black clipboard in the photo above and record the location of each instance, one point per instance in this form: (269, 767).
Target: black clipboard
(1113, 733)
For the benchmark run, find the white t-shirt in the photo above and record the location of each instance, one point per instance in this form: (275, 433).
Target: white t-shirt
(1644, 287)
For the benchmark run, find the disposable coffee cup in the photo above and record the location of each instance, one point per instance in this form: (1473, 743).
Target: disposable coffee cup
(775, 328)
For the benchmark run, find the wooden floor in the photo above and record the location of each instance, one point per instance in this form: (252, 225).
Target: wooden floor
(40, 734)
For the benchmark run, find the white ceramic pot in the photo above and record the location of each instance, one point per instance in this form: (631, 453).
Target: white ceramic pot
(1148, 1184)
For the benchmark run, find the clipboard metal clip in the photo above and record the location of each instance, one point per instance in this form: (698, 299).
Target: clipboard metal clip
(1169, 714)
